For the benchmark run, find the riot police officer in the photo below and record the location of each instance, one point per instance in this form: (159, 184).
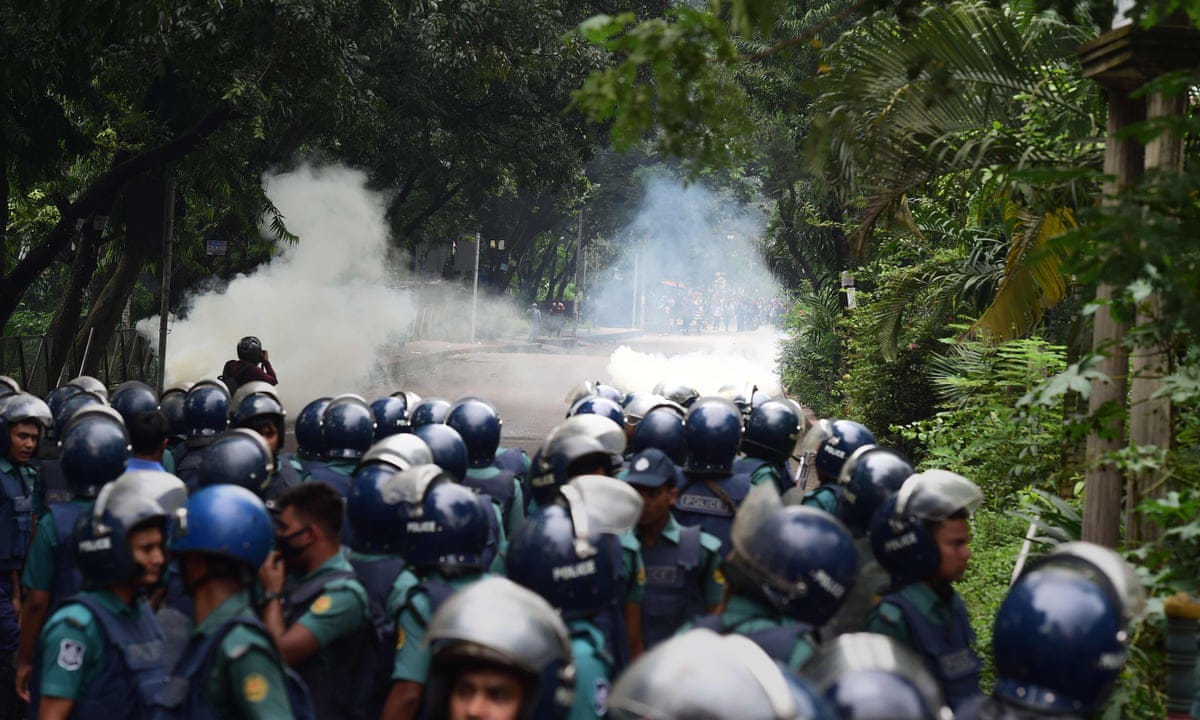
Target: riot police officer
(206, 411)
(701, 674)
(24, 420)
(133, 397)
(661, 428)
(920, 537)
(1062, 635)
(230, 668)
(445, 535)
(479, 425)
(788, 571)
(769, 440)
(519, 669)
(867, 479)
(237, 457)
(347, 432)
(95, 448)
(429, 410)
(683, 579)
(101, 652)
(711, 491)
(835, 442)
(391, 415)
(261, 411)
(568, 553)
(317, 611)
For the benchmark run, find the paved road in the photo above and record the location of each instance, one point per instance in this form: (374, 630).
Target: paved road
(529, 387)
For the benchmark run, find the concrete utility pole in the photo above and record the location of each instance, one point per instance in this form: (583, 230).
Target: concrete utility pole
(1124, 60)
(164, 302)
(475, 288)
(578, 259)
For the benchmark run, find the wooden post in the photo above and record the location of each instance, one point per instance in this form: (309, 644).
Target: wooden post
(1150, 416)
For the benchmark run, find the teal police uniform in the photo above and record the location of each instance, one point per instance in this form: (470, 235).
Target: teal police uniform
(412, 603)
(40, 566)
(515, 508)
(748, 617)
(683, 579)
(593, 671)
(824, 497)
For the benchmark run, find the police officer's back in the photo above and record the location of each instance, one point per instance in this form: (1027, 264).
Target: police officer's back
(101, 653)
(444, 537)
(347, 432)
(828, 446)
(770, 437)
(865, 675)
(711, 491)
(230, 667)
(320, 617)
(206, 411)
(920, 537)
(568, 553)
(479, 425)
(788, 571)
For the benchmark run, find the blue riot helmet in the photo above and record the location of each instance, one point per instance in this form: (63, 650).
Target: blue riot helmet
(308, 428)
(95, 446)
(865, 676)
(448, 530)
(771, 431)
(870, 476)
(432, 410)
(380, 501)
(8, 386)
(1062, 633)
(479, 424)
(238, 457)
(92, 385)
(596, 405)
(206, 408)
(449, 450)
(101, 535)
(227, 521)
(901, 537)
(399, 452)
(799, 559)
(713, 431)
(391, 416)
(608, 392)
(347, 427)
(171, 403)
(700, 674)
(73, 404)
(844, 437)
(257, 408)
(22, 407)
(497, 623)
(560, 553)
(661, 428)
(133, 397)
(58, 396)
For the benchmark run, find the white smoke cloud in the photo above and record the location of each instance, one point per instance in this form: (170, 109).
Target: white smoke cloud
(739, 359)
(326, 307)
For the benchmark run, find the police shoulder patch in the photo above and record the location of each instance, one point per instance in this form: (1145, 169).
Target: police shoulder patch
(401, 636)
(321, 605)
(70, 654)
(718, 577)
(255, 688)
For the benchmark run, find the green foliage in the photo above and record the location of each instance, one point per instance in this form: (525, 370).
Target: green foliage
(982, 434)
(996, 539)
(809, 360)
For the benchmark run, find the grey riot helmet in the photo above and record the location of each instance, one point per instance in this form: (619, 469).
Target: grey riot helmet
(92, 385)
(865, 675)
(497, 624)
(700, 674)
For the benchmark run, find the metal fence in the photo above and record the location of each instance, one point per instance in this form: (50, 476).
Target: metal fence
(128, 356)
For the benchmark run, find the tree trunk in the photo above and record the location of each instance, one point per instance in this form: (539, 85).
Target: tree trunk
(4, 190)
(1102, 482)
(61, 333)
(1149, 416)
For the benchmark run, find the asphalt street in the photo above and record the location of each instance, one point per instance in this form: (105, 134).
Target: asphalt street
(529, 386)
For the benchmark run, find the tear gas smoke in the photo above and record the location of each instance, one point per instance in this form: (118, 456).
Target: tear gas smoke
(325, 307)
(741, 359)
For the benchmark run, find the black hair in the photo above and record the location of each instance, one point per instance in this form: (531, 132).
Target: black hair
(316, 502)
(147, 431)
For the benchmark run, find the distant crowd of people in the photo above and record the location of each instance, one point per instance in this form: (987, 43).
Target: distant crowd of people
(693, 311)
